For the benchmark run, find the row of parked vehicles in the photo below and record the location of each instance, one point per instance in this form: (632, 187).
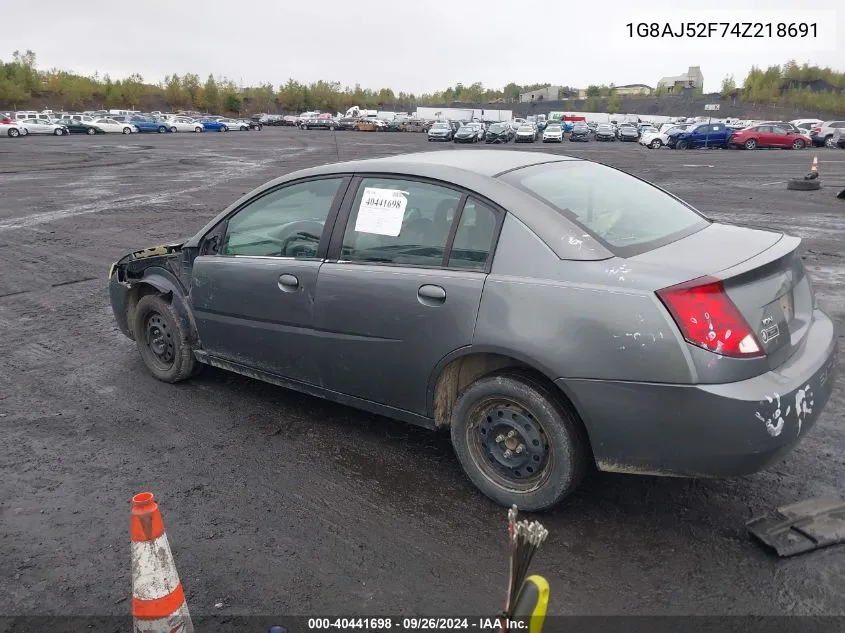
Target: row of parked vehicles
(103, 122)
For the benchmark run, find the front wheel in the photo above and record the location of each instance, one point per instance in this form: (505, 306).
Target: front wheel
(58, 131)
(224, 129)
(162, 129)
(14, 132)
(518, 442)
(798, 144)
(91, 131)
(197, 129)
(656, 144)
(681, 145)
(127, 130)
(750, 144)
(173, 128)
(162, 340)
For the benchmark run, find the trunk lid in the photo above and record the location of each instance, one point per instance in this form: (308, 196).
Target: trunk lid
(762, 273)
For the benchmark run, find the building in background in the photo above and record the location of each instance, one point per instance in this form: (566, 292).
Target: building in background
(541, 94)
(633, 89)
(690, 79)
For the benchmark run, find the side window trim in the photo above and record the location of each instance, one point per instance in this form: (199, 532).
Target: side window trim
(453, 231)
(499, 215)
(221, 229)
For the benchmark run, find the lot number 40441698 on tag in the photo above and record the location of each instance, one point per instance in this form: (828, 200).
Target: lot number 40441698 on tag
(381, 212)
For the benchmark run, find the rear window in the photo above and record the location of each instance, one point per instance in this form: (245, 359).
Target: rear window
(627, 215)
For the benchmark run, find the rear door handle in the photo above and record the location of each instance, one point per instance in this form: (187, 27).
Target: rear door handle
(431, 295)
(288, 283)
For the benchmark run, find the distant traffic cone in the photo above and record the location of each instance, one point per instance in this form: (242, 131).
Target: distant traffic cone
(158, 600)
(814, 169)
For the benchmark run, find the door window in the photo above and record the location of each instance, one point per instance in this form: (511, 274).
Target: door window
(287, 222)
(401, 222)
(474, 237)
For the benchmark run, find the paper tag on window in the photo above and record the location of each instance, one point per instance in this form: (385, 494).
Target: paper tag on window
(381, 212)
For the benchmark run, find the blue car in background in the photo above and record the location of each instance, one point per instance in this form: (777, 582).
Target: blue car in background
(214, 125)
(149, 124)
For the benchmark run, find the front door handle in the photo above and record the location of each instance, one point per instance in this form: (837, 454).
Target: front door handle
(288, 283)
(431, 295)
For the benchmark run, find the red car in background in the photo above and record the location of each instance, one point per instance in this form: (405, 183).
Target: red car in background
(769, 136)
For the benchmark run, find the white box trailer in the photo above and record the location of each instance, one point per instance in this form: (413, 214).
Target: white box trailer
(490, 116)
(452, 114)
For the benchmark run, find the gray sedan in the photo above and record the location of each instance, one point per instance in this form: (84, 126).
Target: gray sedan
(550, 312)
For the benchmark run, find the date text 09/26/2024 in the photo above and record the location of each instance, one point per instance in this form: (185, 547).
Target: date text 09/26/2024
(786, 30)
(432, 624)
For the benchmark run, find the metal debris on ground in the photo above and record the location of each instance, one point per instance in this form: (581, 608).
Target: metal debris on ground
(524, 539)
(801, 527)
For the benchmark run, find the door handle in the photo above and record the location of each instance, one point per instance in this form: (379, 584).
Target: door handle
(288, 283)
(431, 295)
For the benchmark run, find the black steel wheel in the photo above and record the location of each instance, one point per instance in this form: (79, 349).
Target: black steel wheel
(518, 441)
(163, 340)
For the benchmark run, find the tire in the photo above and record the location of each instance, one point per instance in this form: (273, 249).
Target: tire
(91, 131)
(162, 341)
(225, 128)
(750, 144)
(13, 132)
(828, 142)
(127, 130)
(799, 184)
(162, 129)
(681, 145)
(537, 417)
(656, 144)
(173, 129)
(197, 129)
(244, 128)
(798, 144)
(58, 132)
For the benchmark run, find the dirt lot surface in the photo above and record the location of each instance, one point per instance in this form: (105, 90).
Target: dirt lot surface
(276, 502)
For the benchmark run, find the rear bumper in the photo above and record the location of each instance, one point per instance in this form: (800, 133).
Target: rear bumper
(721, 430)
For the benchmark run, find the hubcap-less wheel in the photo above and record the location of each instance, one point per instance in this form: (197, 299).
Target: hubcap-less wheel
(509, 445)
(798, 145)
(159, 340)
(750, 144)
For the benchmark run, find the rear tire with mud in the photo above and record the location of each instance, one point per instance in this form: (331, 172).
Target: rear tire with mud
(519, 442)
(162, 340)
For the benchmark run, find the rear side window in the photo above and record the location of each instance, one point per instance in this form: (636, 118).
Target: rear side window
(627, 215)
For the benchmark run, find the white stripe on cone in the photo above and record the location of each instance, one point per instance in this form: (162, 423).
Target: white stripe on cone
(177, 622)
(153, 569)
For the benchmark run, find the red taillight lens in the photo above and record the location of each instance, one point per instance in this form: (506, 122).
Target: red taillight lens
(817, 130)
(709, 319)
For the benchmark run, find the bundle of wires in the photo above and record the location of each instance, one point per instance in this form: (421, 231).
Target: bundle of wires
(524, 539)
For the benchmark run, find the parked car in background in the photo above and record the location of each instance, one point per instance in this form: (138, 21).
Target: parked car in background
(79, 127)
(499, 133)
(468, 133)
(213, 125)
(526, 133)
(605, 132)
(769, 136)
(110, 125)
(580, 132)
(366, 125)
(629, 133)
(701, 135)
(319, 123)
(416, 125)
(10, 127)
(40, 126)
(149, 124)
(806, 125)
(184, 124)
(441, 131)
(822, 135)
(553, 133)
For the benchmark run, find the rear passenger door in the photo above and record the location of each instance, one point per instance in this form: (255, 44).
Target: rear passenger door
(401, 288)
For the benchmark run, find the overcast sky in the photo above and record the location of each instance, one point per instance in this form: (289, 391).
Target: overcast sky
(417, 46)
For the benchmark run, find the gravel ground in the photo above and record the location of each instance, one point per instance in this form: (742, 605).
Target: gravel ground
(277, 502)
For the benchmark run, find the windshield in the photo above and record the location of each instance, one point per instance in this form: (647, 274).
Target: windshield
(554, 127)
(440, 126)
(625, 213)
(497, 127)
(526, 128)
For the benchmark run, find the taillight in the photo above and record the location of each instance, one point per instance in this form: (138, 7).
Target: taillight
(709, 319)
(817, 130)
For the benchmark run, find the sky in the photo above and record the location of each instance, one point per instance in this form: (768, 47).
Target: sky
(424, 45)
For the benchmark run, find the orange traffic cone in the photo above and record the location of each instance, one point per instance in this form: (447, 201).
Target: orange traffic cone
(158, 600)
(814, 169)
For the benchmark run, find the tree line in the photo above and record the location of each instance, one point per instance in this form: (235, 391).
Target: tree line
(23, 85)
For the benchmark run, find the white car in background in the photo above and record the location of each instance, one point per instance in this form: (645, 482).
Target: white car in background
(39, 126)
(184, 124)
(235, 124)
(656, 140)
(11, 129)
(115, 127)
(553, 133)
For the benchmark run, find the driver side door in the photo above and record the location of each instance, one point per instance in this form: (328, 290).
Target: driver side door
(253, 286)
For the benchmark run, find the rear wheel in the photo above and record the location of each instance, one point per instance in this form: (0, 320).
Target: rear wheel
(517, 442)
(225, 128)
(91, 131)
(681, 145)
(13, 132)
(162, 129)
(173, 128)
(162, 341)
(750, 144)
(58, 131)
(198, 129)
(828, 142)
